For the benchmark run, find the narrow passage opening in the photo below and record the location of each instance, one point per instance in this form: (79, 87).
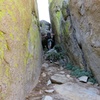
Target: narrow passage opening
(43, 9)
(45, 25)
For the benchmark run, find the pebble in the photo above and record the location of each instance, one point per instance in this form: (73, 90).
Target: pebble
(49, 91)
(43, 74)
(68, 76)
(57, 63)
(45, 65)
(62, 72)
(49, 82)
(47, 98)
(83, 79)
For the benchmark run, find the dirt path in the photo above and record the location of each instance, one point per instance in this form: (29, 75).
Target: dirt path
(56, 90)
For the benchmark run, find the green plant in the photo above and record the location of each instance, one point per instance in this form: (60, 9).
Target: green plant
(56, 53)
(78, 72)
(93, 80)
(58, 48)
(52, 56)
(55, 56)
(69, 66)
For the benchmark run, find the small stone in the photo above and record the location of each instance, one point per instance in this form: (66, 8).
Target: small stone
(59, 79)
(68, 76)
(83, 79)
(45, 65)
(49, 82)
(43, 74)
(57, 63)
(62, 72)
(89, 83)
(96, 85)
(49, 91)
(47, 98)
(40, 92)
(61, 68)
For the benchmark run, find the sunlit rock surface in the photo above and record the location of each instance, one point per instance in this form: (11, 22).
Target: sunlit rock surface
(20, 48)
(73, 91)
(76, 25)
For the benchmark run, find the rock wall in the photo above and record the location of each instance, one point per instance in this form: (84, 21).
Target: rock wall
(20, 48)
(76, 23)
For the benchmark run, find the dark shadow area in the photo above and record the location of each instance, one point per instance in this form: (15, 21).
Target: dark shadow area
(47, 36)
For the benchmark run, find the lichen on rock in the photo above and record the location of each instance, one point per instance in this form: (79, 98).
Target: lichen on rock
(79, 31)
(20, 48)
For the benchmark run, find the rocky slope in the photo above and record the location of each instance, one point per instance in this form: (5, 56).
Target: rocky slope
(20, 48)
(76, 25)
(56, 83)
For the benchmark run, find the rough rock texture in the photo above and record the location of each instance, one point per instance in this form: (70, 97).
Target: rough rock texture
(72, 91)
(44, 27)
(59, 79)
(20, 55)
(76, 23)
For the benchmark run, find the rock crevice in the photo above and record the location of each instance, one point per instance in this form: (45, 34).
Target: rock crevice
(78, 30)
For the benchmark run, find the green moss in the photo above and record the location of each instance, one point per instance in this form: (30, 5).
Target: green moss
(10, 12)
(3, 45)
(12, 36)
(50, 1)
(67, 28)
(58, 15)
(1, 1)
(33, 41)
(57, 22)
(1, 15)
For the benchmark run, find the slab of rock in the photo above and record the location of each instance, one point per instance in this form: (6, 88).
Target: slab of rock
(49, 91)
(83, 79)
(59, 79)
(47, 98)
(73, 91)
(45, 65)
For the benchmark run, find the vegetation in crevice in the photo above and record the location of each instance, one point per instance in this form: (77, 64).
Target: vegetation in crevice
(56, 54)
(78, 72)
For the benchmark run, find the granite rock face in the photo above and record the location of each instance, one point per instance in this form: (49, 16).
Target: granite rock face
(20, 48)
(76, 25)
(73, 91)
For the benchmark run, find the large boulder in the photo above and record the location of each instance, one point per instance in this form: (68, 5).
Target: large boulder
(20, 48)
(76, 24)
(73, 91)
(44, 27)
